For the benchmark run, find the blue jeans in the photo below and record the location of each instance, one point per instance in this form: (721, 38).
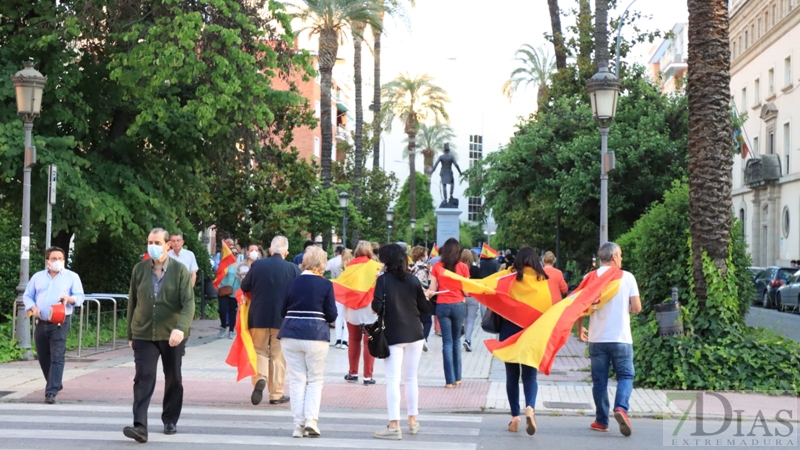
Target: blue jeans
(529, 386)
(451, 319)
(603, 355)
(472, 315)
(427, 324)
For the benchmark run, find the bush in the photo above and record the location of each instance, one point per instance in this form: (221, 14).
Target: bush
(105, 264)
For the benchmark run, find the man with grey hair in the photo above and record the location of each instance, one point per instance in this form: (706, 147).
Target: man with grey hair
(610, 342)
(160, 313)
(268, 281)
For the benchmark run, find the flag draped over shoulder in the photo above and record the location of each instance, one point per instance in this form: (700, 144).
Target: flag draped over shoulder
(243, 353)
(356, 285)
(226, 259)
(529, 305)
(434, 251)
(488, 252)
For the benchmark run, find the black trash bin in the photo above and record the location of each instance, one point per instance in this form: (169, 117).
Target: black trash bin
(669, 317)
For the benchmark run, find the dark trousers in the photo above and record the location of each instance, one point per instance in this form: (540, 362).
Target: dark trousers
(529, 386)
(51, 346)
(227, 311)
(145, 356)
(427, 323)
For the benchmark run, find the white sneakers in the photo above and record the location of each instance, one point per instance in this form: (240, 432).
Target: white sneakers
(392, 434)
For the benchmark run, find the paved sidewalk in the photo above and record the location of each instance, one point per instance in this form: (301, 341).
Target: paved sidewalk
(108, 377)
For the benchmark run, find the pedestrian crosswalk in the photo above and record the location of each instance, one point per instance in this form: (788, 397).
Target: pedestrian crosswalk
(67, 426)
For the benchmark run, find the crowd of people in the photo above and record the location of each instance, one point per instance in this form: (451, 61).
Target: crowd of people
(293, 306)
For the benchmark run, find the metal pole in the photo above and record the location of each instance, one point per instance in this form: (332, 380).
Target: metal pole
(619, 34)
(412, 237)
(426, 238)
(202, 294)
(603, 186)
(389, 234)
(23, 323)
(344, 228)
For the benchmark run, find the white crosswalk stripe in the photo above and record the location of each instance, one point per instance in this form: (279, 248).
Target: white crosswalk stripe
(73, 425)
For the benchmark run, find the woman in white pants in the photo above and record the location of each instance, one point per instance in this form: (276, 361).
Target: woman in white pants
(340, 327)
(305, 335)
(399, 294)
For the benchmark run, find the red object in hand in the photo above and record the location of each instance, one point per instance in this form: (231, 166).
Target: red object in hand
(58, 312)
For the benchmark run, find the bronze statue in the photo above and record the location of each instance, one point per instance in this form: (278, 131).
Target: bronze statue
(446, 175)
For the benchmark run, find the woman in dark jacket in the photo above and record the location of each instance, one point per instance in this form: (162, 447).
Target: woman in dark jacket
(400, 293)
(526, 264)
(305, 334)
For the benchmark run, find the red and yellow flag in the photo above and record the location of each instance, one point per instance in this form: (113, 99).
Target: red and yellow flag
(146, 256)
(434, 251)
(356, 285)
(488, 252)
(227, 258)
(243, 353)
(528, 304)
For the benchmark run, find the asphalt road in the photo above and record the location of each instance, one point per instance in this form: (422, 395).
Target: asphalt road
(783, 323)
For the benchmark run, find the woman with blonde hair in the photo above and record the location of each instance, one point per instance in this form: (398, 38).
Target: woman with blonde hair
(357, 319)
(555, 278)
(310, 305)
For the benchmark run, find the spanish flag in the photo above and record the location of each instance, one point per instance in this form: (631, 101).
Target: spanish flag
(528, 304)
(488, 252)
(225, 261)
(434, 251)
(243, 353)
(146, 256)
(356, 285)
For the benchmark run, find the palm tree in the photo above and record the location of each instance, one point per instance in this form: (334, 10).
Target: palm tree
(391, 7)
(710, 161)
(330, 20)
(558, 36)
(358, 144)
(536, 67)
(414, 100)
(431, 140)
(601, 33)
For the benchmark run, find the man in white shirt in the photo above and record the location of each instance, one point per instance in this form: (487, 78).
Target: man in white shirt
(610, 343)
(335, 263)
(186, 257)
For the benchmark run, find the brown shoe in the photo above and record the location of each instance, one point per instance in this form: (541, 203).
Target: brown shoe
(513, 426)
(530, 425)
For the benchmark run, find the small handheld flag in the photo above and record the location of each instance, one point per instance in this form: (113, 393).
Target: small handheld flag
(488, 252)
(225, 261)
(434, 251)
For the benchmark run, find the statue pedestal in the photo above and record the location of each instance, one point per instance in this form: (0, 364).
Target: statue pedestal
(447, 224)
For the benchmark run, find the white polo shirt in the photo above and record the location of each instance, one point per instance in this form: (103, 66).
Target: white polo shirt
(612, 322)
(186, 257)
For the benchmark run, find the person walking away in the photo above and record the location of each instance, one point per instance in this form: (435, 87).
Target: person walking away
(335, 262)
(340, 326)
(526, 264)
(225, 296)
(304, 334)
(555, 278)
(160, 313)
(357, 319)
(268, 281)
(56, 284)
(450, 308)
(611, 344)
(470, 258)
(298, 258)
(419, 268)
(186, 257)
(400, 295)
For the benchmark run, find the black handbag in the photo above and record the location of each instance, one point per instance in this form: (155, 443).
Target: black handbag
(376, 342)
(491, 322)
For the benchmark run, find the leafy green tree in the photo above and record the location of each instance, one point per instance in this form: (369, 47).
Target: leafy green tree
(329, 20)
(413, 100)
(431, 140)
(534, 69)
(424, 206)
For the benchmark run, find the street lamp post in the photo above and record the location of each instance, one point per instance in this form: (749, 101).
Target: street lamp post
(29, 84)
(489, 237)
(389, 218)
(426, 228)
(603, 92)
(344, 197)
(413, 223)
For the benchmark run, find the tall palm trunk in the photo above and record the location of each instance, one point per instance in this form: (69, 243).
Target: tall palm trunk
(328, 48)
(411, 131)
(710, 161)
(358, 38)
(376, 99)
(585, 34)
(427, 162)
(601, 33)
(558, 36)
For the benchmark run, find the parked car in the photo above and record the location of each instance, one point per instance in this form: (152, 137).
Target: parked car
(755, 270)
(788, 295)
(768, 281)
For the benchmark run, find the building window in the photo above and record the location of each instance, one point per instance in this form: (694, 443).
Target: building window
(475, 148)
(771, 81)
(755, 145)
(771, 143)
(316, 147)
(787, 145)
(760, 30)
(787, 71)
(741, 47)
(733, 50)
(757, 92)
(766, 21)
(744, 100)
(774, 15)
(317, 110)
(741, 218)
(786, 222)
(746, 40)
(475, 204)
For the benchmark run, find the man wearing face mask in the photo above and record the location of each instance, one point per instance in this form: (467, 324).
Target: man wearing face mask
(160, 312)
(186, 257)
(268, 281)
(46, 288)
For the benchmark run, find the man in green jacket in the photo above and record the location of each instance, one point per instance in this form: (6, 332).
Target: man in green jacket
(160, 313)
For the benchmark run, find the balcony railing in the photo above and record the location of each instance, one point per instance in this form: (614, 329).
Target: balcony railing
(763, 170)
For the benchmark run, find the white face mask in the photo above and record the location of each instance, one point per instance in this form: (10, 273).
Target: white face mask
(254, 255)
(56, 266)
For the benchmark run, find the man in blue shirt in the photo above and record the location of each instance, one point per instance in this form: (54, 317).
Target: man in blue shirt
(298, 259)
(53, 285)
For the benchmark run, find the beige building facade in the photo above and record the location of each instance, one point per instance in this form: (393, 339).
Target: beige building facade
(765, 46)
